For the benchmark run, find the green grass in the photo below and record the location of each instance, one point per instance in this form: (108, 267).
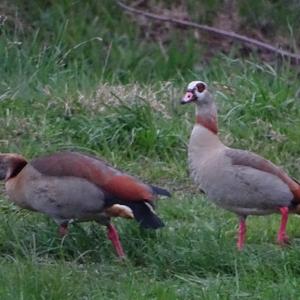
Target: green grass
(118, 98)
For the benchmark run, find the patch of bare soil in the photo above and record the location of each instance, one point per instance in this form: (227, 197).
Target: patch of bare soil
(11, 17)
(226, 18)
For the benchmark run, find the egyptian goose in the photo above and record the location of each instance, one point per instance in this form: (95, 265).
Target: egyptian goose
(236, 180)
(74, 186)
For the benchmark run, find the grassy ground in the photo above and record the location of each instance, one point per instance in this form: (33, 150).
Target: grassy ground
(61, 87)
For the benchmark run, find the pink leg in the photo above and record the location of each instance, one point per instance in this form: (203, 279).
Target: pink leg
(241, 233)
(63, 229)
(113, 235)
(282, 237)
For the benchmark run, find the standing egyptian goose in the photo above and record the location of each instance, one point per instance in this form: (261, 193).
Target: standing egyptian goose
(236, 180)
(74, 186)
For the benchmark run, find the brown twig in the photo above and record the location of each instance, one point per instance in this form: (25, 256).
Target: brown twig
(216, 31)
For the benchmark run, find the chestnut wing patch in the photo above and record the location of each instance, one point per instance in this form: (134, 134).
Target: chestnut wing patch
(128, 188)
(110, 180)
(73, 164)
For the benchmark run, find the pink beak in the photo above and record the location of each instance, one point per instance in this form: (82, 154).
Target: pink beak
(188, 97)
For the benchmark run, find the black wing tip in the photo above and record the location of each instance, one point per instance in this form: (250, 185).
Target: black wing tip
(152, 223)
(160, 191)
(145, 215)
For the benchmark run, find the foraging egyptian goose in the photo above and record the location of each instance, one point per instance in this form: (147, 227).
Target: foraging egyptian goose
(236, 180)
(74, 186)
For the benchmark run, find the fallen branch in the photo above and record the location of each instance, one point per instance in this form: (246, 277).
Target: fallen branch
(216, 31)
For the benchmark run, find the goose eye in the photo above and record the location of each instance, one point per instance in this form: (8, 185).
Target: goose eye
(200, 87)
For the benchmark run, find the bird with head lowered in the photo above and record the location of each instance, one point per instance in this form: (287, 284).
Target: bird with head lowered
(71, 186)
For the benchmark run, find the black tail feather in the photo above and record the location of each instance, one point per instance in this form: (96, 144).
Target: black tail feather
(160, 191)
(144, 213)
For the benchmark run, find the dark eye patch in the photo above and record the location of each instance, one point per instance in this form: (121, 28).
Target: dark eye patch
(200, 87)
